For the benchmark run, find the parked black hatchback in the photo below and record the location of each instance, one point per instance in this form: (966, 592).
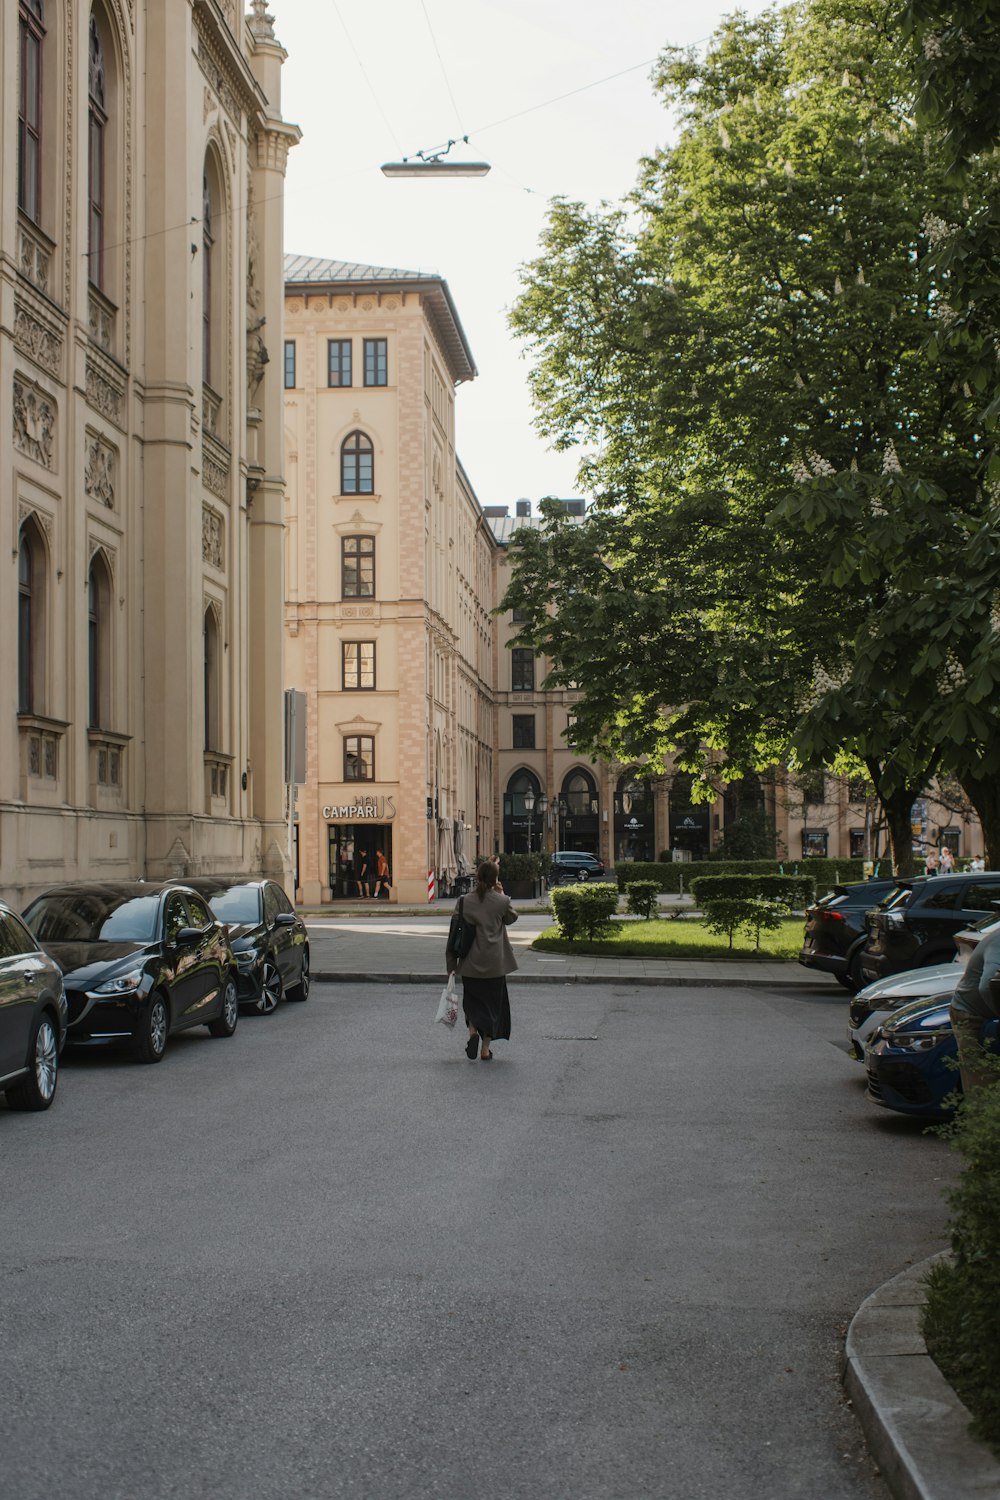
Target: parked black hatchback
(269, 940)
(139, 962)
(575, 864)
(916, 923)
(835, 929)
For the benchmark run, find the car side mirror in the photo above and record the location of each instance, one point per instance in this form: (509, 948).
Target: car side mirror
(285, 919)
(187, 936)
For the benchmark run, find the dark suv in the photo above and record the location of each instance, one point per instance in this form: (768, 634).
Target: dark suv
(916, 923)
(835, 929)
(571, 865)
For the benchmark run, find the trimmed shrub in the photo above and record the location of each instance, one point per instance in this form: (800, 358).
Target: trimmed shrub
(705, 888)
(673, 877)
(584, 911)
(728, 914)
(642, 896)
(793, 891)
(961, 1316)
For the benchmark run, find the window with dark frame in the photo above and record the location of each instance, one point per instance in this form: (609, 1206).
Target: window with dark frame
(522, 670)
(338, 362)
(376, 361)
(359, 757)
(358, 659)
(97, 119)
(29, 109)
(524, 731)
(357, 465)
(289, 364)
(94, 627)
(25, 624)
(207, 243)
(357, 567)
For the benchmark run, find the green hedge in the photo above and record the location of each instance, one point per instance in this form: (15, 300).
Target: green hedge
(825, 872)
(641, 895)
(584, 911)
(961, 1317)
(792, 891)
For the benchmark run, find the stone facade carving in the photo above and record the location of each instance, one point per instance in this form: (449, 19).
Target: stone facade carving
(100, 473)
(34, 259)
(104, 395)
(213, 70)
(101, 321)
(261, 24)
(215, 474)
(212, 536)
(34, 423)
(37, 341)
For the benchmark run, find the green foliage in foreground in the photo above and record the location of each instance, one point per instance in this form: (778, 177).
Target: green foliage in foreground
(728, 915)
(584, 911)
(641, 898)
(791, 891)
(663, 938)
(961, 1320)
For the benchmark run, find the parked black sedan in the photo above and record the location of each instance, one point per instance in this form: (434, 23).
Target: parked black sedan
(139, 961)
(32, 1017)
(269, 940)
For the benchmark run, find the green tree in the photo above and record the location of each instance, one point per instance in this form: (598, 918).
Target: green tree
(752, 354)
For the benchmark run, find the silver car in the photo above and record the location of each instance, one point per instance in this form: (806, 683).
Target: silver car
(32, 1017)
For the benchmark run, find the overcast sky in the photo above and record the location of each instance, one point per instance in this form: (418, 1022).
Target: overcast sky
(374, 80)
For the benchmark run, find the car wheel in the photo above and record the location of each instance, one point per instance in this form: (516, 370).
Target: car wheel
(150, 1040)
(846, 981)
(271, 988)
(583, 875)
(38, 1089)
(301, 990)
(225, 1024)
(855, 977)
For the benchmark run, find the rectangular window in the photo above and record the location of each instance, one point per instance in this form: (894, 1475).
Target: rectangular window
(359, 757)
(359, 665)
(289, 364)
(29, 115)
(338, 362)
(357, 567)
(857, 843)
(522, 670)
(376, 361)
(814, 843)
(524, 731)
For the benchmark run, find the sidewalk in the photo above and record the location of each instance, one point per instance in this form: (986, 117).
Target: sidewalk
(395, 945)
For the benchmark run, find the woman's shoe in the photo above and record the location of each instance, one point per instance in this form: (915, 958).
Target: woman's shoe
(486, 1057)
(471, 1048)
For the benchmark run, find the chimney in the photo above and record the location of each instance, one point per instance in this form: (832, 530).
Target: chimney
(522, 508)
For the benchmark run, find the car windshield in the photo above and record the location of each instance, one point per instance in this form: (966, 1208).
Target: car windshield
(235, 903)
(93, 917)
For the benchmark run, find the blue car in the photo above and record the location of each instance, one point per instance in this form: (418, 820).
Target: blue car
(912, 1060)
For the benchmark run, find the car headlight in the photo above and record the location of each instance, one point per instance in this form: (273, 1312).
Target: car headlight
(920, 1041)
(246, 958)
(122, 984)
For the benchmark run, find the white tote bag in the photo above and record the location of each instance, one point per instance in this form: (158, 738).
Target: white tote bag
(447, 1011)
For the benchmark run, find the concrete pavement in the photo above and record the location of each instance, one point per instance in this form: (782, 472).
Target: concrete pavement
(915, 1424)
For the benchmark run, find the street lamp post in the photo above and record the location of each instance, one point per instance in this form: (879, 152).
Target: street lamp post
(561, 811)
(529, 807)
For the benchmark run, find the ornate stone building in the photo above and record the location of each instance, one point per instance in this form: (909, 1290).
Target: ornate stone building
(389, 580)
(142, 479)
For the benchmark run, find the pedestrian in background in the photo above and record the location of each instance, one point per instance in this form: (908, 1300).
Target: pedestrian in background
(931, 862)
(363, 887)
(485, 967)
(977, 863)
(947, 861)
(381, 873)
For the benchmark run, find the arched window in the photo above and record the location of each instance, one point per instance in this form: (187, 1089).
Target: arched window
(97, 121)
(580, 794)
(357, 465)
(30, 618)
(208, 246)
(212, 689)
(31, 29)
(99, 644)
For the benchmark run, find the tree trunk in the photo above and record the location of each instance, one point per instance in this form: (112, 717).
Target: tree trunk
(898, 809)
(984, 794)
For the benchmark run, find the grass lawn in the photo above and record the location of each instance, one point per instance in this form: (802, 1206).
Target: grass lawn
(665, 937)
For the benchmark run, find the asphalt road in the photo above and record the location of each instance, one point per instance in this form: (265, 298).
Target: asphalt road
(333, 1258)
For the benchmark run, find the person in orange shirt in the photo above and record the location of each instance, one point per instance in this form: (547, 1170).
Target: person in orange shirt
(381, 873)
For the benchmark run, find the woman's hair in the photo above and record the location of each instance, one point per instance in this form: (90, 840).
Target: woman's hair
(486, 878)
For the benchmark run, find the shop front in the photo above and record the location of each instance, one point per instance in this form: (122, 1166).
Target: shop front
(358, 833)
(634, 822)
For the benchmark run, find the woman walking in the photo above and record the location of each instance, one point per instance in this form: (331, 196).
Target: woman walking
(485, 967)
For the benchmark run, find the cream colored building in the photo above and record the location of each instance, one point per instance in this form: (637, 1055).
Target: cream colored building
(142, 490)
(388, 584)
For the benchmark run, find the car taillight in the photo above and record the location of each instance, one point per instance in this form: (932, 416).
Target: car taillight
(834, 916)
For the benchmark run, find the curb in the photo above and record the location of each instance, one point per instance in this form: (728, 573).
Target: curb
(696, 982)
(914, 1423)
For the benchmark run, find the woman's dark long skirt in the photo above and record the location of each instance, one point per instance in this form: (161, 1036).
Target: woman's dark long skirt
(486, 1006)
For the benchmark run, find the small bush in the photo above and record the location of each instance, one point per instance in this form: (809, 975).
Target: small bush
(792, 891)
(642, 896)
(705, 888)
(727, 915)
(961, 1317)
(585, 911)
(673, 877)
